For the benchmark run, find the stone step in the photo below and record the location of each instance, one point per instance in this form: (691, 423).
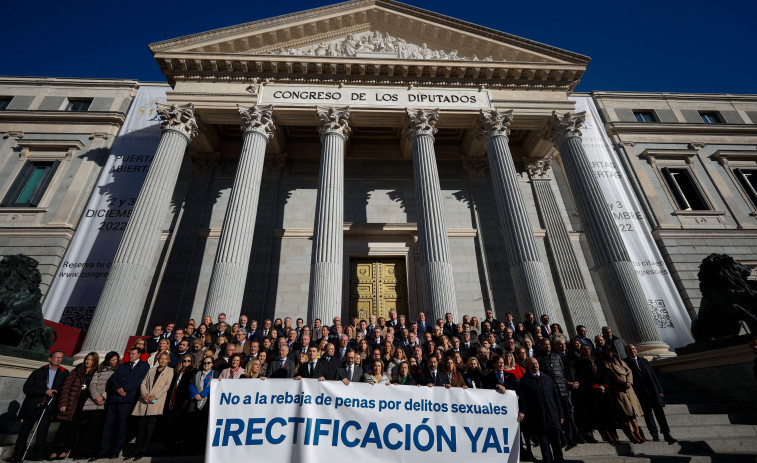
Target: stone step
(703, 408)
(695, 431)
(708, 446)
(716, 458)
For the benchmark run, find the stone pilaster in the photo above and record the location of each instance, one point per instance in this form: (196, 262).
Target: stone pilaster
(438, 282)
(612, 262)
(570, 282)
(325, 297)
(121, 303)
(526, 268)
(227, 282)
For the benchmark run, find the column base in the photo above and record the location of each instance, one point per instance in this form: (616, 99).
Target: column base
(654, 350)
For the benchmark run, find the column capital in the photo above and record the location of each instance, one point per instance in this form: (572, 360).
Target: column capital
(421, 122)
(273, 162)
(204, 163)
(563, 127)
(180, 118)
(538, 168)
(494, 123)
(334, 119)
(475, 165)
(257, 118)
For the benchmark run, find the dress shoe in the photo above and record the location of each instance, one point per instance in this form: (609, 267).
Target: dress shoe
(570, 446)
(670, 439)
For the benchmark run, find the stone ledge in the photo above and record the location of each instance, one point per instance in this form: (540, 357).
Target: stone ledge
(740, 354)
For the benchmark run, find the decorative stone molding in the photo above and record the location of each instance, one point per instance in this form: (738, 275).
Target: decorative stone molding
(14, 134)
(421, 122)
(334, 120)
(274, 162)
(539, 168)
(103, 135)
(697, 145)
(494, 123)
(178, 117)
(204, 163)
(475, 165)
(257, 118)
(563, 127)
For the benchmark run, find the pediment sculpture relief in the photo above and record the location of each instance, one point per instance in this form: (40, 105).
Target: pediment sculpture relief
(375, 44)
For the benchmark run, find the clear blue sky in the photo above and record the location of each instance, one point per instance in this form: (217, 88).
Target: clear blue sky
(694, 46)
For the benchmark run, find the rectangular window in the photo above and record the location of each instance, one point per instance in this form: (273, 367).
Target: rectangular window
(644, 116)
(684, 188)
(710, 117)
(4, 102)
(30, 184)
(78, 105)
(748, 180)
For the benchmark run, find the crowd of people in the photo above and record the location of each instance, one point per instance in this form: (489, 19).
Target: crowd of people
(568, 385)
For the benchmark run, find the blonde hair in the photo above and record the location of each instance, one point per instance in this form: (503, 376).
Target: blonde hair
(248, 370)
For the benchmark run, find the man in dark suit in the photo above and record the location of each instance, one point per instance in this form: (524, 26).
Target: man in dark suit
(254, 333)
(498, 378)
(328, 364)
(432, 376)
(449, 329)
(222, 331)
(283, 366)
(41, 389)
(544, 326)
(157, 335)
(123, 387)
(350, 372)
(539, 403)
(423, 326)
(649, 391)
(168, 331)
(310, 368)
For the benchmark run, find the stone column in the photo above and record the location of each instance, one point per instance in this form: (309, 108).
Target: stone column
(325, 297)
(570, 282)
(612, 262)
(526, 268)
(436, 269)
(122, 301)
(229, 276)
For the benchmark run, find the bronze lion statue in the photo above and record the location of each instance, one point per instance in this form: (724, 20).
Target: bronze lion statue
(727, 298)
(21, 321)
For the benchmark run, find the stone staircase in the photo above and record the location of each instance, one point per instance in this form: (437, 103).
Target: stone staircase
(710, 428)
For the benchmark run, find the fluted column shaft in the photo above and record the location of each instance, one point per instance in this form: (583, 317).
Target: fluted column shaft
(121, 303)
(325, 297)
(526, 267)
(612, 261)
(227, 282)
(433, 243)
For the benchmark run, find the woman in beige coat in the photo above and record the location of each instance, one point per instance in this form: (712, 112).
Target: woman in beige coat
(621, 386)
(151, 402)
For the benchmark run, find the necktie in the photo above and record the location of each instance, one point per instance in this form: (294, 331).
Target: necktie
(433, 377)
(501, 378)
(349, 376)
(310, 368)
(283, 362)
(548, 330)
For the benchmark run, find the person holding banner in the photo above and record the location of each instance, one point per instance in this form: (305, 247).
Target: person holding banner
(350, 372)
(284, 367)
(403, 377)
(432, 376)
(540, 411)
(377, 375)
(235, 370)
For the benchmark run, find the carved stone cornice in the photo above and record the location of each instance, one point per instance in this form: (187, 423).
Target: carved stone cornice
(204, 163)
(274, 162)
(257, 118)
(561, 128)
(539, 168)
(334, 120)
(494, 123)
(421, 122)
(180, 118)
(475, 165)
(697, 145)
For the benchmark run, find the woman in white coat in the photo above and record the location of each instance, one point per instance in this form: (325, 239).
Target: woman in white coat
(152, 400)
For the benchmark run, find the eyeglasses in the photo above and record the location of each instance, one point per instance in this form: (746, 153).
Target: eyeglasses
(186, 361)
(207, 363)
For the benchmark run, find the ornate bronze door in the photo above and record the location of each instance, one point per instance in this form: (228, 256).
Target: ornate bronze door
(377, 286)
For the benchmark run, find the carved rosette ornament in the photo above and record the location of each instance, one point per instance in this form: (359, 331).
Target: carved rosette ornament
(334, 120)
(561, 128)
(475, 165)
(257, 118)
(180, 118)
(421, 122)
(494, 123)
(539, 168)
(204, 163)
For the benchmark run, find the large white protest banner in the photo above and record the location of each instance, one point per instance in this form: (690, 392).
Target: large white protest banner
(664, 302)
(80, 279)
(282, 420)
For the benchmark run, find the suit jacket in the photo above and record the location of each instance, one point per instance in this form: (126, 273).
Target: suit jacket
(275, 369)
(214, 336)
(449, 331)
(441, 378)
(645, 382)
(129, 379)
(491, 380)
(245, 350)
(357, 374)
(544, 331)
(35, 388)
(539, 401)
(304, 371)
(152, 344)
(329, 369)
(158, 388)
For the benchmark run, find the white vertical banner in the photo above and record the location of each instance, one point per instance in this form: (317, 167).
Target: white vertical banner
(73, 295)
(287, 421)
(665, 304)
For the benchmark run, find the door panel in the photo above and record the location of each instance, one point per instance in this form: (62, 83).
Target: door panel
(377, 286)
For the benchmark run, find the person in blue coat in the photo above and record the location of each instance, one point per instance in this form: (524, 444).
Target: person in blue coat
(123, 387)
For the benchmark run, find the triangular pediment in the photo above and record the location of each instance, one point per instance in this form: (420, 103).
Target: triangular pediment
(336, 38)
